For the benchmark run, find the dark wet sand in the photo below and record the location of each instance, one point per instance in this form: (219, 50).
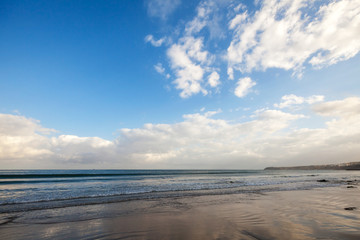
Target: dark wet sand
(306, 214)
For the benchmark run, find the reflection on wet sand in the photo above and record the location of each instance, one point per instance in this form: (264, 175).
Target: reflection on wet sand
(306, 214)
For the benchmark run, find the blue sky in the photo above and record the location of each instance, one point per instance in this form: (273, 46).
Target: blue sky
(178, 84)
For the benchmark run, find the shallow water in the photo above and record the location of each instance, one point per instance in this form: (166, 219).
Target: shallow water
(23, 190)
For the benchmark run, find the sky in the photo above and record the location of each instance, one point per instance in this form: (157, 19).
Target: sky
(175, 84)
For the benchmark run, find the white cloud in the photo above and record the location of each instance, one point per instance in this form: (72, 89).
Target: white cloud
(237, 20)
(25, 143)
(162, 8)
(283, 34)
(22, 138)
(20, 126)
(187, 59)
(156, 43)
(243, 87)
(214, 79)
(291, 100)
(201, 140)
(159, 68)
(72, 140)
(199, 22)
(230, 72)
(190, 62)
(87, 150)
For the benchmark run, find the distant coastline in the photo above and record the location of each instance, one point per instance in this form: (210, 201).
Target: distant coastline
(340, 166)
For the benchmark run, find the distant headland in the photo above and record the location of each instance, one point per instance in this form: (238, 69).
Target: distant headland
(340, 166)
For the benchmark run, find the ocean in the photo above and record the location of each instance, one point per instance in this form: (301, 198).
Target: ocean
(24, 190)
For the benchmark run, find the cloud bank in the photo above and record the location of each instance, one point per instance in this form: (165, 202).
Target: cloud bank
(269, 137)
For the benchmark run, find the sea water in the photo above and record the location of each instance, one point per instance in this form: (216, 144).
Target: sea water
(22, 190)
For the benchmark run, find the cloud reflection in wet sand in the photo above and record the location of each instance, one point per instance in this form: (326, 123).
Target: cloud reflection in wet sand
(306, 214)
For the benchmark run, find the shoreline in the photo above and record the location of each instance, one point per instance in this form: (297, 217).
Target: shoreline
(293, 214)
(85, 201)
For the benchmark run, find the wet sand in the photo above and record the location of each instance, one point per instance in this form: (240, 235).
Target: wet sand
(305, 214)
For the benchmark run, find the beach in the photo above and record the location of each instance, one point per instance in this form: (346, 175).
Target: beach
(317, 213)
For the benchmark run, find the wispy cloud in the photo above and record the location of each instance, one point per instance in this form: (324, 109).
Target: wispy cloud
(291, 100)
(156, 43)
(189, 59)
(159, 68)
(162, 8)
(285, 34)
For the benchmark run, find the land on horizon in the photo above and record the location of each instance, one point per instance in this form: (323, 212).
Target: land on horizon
(340, 166)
